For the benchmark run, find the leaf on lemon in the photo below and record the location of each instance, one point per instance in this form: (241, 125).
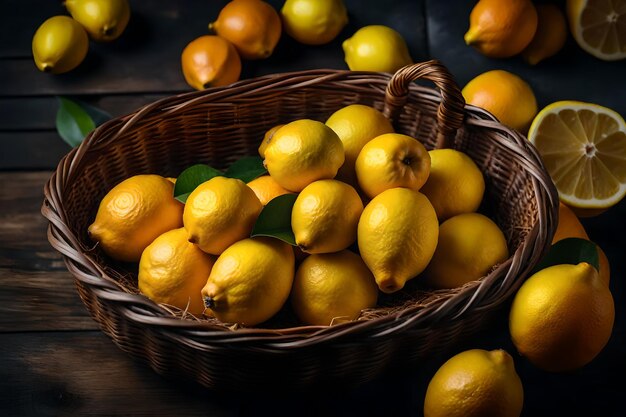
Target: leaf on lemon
(75, 120)
(191, 177)
(572, 251)
(246, 169)
(275, 219)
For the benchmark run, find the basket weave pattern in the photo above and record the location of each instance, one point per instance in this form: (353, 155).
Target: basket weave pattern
(219, 126)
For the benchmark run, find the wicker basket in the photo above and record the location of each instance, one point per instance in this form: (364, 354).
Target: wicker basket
(219, 125)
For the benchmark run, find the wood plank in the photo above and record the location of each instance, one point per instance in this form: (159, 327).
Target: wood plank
(36, 290)
(33, 150)
(39, 113)
(147, 57)
(84, 373)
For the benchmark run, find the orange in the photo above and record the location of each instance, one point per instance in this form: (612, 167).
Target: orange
(550, 36)
(253, 26)
(210, 61)
(501, 29)
(266, 188)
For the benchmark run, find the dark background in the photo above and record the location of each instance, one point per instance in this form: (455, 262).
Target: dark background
(53, 358)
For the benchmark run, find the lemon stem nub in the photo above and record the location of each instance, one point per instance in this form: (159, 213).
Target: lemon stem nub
(209, 302)
(107, 31)
(407, 161)
(46, 68)
(212, 27)
(470, 37)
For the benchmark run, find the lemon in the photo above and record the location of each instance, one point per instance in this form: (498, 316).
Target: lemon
(455, 185)
(267, 138)
(104, 20)
(397, 236)
(250, 281)
(392, 160)
(470, 245)
(376, 48)
(301, 152)
(475, 383)
(550, 36)
(562, 317)
(59, 45)
(505, 95)
(220, 212)
(266, 188)
(583, 147)
(332, 288)
(501, 29)
(134, 213)
(314, 22)
(325, 215)
(598, 27)
(173, 271)
(210, 61)
(356, 125)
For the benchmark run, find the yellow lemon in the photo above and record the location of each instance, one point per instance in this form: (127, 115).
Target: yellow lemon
(250, 281)
(397, 236)
(455, 185)
(583, 147)
(598, 27)
(504, 95)
(562, 317)
(219, 212)
(134, 213)
(267, 138)
(470, 245)
(356, 125)
(550, 36)
(332, 288)
(59, 45)
(314, 22)
(475, 383)
(376, 48)
(173, 271)
(266, 188)
(392, 160)
(501, 29)
(301, 152)
(325, 215)
(105, 20)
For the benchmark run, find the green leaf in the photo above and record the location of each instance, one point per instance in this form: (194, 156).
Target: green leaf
(246, 169)
(98, 116)
(275, 219)
(73, 122)
(571, 251)
(190, 178)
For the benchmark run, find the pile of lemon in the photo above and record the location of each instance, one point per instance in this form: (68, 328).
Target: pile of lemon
(373, 210)
(60, 44)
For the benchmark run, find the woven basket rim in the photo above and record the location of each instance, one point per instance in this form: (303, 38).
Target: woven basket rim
(471, 297)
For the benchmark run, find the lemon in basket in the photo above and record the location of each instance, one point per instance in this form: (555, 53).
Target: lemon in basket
(392, 160)
(455, 184)
(301, 152)
(220, 212)
(598, 27)
(470, 244)
(356, 125)
(314, 22)
(583, 147)
(250, 281)
(134, 213)
(475, 383)
(397, 236)
(267, 138)
(325, 215)
(173, 271)
(562, 317)
(332, 288)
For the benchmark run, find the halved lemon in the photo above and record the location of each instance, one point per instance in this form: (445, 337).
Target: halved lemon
(599, 27)
(583, 147)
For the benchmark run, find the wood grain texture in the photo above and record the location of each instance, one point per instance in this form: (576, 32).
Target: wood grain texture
(36, 290)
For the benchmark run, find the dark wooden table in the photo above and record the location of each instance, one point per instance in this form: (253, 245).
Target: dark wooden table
(54, 360)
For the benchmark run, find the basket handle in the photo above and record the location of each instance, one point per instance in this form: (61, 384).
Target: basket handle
(450, 113)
